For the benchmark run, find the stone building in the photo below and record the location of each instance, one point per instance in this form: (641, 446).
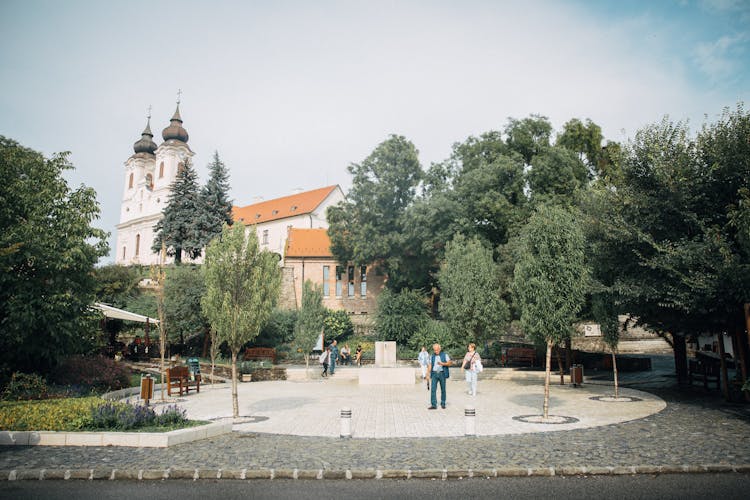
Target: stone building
(353, 288)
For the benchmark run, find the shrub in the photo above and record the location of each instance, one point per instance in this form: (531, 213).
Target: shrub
(121, 416)
(48, 415)
(434, 331)
(25, 386)
(172, 415)
(338, 324)
(95, 372)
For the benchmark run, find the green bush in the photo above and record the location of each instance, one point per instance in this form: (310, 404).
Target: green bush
(92, 372)
(25, 386)
(400, 315)
(434, 331)
(338, 325)
(70, 414)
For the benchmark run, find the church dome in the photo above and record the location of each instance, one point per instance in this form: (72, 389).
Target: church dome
(146, 143)
(175, 129)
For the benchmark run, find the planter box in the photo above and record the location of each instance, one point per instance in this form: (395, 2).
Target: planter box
(246, 377)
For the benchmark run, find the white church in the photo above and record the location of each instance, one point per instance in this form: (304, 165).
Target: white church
(149, 174)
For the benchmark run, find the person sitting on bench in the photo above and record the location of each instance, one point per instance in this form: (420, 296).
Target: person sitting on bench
(346, 355)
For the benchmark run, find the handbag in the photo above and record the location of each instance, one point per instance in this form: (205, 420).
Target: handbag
(478, 366)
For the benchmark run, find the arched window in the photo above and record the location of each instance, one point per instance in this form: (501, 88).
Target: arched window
(123, 252)
(161, 170)
(180, 167)
(137, 244)
(130, 182)
(149, 181)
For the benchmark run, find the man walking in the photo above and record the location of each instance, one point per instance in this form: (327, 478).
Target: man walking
(438, 368)
(334, 357)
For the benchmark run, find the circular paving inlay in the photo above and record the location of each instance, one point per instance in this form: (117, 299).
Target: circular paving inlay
(619, 399)
(550, 420)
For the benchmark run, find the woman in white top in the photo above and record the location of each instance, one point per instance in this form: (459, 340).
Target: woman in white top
(469, 365)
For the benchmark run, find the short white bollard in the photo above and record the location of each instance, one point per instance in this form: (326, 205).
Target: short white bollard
(346, 423)
(470, 421)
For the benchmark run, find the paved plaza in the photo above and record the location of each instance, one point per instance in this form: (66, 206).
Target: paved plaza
(671, 429)
(312, 407)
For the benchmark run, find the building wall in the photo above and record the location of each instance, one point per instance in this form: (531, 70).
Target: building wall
(361, 308)
(278, 229)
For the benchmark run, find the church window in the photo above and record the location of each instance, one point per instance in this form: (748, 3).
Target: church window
(161, 170)
(265, 236)
(130, 182)
(137, 244)
(326, 285)
(149, 181)
(363, 281)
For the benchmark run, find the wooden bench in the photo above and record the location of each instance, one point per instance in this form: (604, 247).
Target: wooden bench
(260, 353)
(178, 377)
(705, 369)
(520, 355)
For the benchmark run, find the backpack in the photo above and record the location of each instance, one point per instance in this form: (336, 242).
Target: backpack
(442, 358)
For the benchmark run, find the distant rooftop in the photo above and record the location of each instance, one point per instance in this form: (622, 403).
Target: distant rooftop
(281, 208)
(308, 243)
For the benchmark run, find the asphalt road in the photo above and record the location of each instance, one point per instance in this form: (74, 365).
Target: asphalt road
(727, 486)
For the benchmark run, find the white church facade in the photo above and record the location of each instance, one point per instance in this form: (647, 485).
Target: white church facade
(149, 174)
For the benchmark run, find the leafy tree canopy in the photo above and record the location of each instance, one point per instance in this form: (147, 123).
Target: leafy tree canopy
(48, 250)
(400, 315)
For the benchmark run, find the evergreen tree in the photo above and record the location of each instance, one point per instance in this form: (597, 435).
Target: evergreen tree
(179, 229)
(216, 205)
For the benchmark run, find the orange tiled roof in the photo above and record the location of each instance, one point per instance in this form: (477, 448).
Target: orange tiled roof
(308, 243)
(281, 208)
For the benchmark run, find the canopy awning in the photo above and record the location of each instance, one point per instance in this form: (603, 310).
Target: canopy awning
(113, 312)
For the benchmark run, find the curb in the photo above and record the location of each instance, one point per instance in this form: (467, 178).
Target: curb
(319, 474)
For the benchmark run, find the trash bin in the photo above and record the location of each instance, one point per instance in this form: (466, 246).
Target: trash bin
(576, 375)
(194, 368)
(147, 388)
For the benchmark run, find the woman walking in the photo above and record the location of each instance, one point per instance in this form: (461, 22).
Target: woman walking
(472, 366)
(324, 359)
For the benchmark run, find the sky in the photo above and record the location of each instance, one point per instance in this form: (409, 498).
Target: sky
(292, 92)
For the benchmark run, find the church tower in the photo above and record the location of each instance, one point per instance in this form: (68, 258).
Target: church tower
(149, 174)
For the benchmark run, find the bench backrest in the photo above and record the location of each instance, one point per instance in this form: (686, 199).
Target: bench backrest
(260, 351)
(521, 352)
(177, 371)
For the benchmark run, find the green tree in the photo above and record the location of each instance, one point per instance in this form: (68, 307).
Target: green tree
(584, 139)
(310, 319)
(400, 315)
(216, 204)
(183, 291)
(242, 286)
(551, 279)
(471, 299)
(368, 226)
(558, 176)
(48, 250)
(528, 136)
(179, 229)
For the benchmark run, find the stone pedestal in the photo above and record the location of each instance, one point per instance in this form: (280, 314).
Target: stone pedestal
(385, 354)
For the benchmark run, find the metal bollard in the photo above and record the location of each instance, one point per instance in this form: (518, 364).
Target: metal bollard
(470, 421)
(346, 423)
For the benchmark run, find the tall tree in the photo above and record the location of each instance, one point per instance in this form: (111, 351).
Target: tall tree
(558, 176)
(400, 315)
(310, 319)
(48, 249)
(242, 286)
(472, 296)
(183, 291)
(179, 229)
(528, 136)
(551, 279)
(584, 139)
(216, 205)
(368, 226)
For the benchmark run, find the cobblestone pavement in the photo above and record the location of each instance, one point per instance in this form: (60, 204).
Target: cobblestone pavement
(694, 429)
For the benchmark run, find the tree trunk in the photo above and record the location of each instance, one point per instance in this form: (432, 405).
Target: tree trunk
(724, 374)
(546, 379)
(307, 365)
(741, 352)
(747, 329)
(568, 353)
(614, 371)
(680, 358)
(560, 365)
(235, 402)
(206, 340)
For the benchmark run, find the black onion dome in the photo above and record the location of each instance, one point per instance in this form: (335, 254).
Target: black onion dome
(146, 143)
(175, 129)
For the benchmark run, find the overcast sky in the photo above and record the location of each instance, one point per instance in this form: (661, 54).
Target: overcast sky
(291, 92)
